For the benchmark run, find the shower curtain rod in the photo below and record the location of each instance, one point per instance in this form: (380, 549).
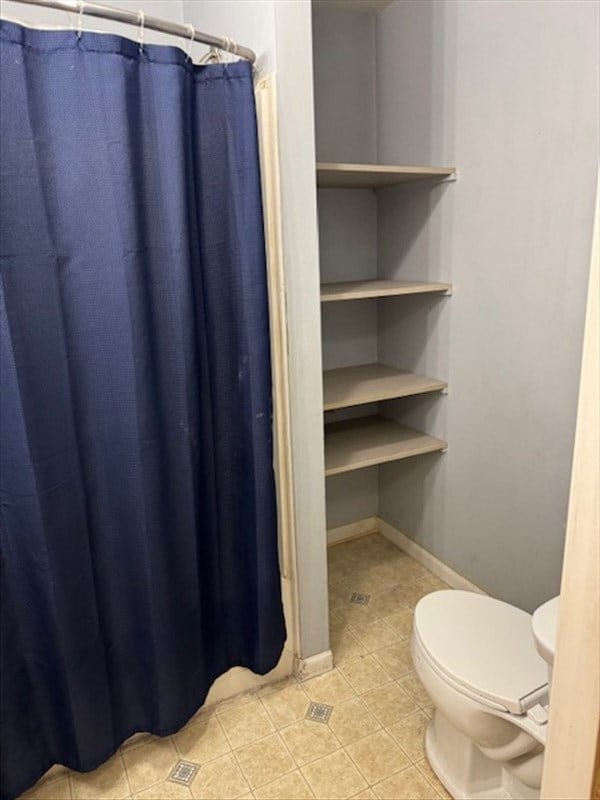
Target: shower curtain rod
(143, 21)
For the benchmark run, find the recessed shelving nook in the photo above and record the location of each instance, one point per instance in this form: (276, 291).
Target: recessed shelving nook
(383, 293)
(368, 441)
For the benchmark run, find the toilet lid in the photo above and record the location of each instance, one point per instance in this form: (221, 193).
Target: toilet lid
(484, 646)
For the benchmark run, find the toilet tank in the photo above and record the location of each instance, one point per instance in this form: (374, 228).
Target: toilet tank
(544, 623)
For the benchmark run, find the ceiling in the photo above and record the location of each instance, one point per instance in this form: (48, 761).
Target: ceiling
(364, 6)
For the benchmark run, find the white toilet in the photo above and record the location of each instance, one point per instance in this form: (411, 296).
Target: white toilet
(477, 658)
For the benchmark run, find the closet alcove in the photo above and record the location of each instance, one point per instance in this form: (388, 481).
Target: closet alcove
(383, 294)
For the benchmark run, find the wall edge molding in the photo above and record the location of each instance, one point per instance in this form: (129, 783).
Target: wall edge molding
(427, 559)
(305, 668)
(353, 530)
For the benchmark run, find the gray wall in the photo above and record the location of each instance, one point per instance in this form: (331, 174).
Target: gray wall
(345, 92)
(51, 18)
(345, 130)
(507, 91)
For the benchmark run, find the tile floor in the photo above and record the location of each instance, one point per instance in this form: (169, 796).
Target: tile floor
(352, 733)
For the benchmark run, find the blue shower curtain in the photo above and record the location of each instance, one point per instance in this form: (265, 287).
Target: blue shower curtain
(139, 541)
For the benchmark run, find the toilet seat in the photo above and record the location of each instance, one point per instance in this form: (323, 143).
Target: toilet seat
(483, 648)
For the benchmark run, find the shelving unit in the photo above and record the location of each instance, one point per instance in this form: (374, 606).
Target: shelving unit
(370, 383)
(361, 290)
(332, 175)
(367, 441)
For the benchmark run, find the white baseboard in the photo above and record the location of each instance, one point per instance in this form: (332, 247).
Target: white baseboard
(424, 557)
(354, 530)
(305, 668)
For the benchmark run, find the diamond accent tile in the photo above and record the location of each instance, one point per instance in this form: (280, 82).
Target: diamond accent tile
(360, 599)
(184, 772)
(319, 712)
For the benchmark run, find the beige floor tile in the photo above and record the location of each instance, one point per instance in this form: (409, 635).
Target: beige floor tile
(220, 779)
(348, 573)
(389, 703)
(332, 577)
(292, 786)
(286, 705)
(374, 635)
(246, 723)
(330, 688)
(377, 756)
(396, 659)
(278, 686)
(166, 790)
(425, 768)
(366, 794)
(264, 761)
(307, 740)
(107, 781)
(413, 686)
(387, 576)
(335, 621)
(57, 789)
(402, 622)
(201, 740)
(432, 582)
(364, 674)
(389, 602)
(367, 581)
(428, 711)
(233, 702)
(150, 763)
(345, 646)
(415, 593)
(339, 595)
(334, 776)
(353, 614)
(410, 735)
(351, 720)
(406, 785)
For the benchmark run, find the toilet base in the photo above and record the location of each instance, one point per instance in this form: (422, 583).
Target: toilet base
(463, 769)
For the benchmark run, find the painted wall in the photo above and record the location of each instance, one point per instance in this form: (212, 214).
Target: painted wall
(508, 91)
(346, 130)
(344, 78)
(48, 18)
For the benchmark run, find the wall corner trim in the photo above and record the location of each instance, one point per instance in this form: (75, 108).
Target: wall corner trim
(424, 557)
(354, 530)
(305, 668)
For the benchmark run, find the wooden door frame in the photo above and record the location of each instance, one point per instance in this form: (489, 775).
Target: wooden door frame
(571, 769)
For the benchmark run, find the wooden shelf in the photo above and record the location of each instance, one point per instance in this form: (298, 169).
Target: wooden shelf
(363, 442)
(359, 290)
(369, 383)
(373, 176)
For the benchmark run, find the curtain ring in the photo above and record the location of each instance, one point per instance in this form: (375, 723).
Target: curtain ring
(141, 33)
(230, 45)
(192, 32)
(79, 18)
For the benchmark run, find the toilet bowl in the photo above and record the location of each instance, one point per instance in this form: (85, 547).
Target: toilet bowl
(477, 659)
